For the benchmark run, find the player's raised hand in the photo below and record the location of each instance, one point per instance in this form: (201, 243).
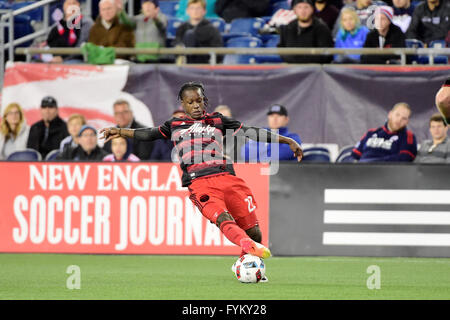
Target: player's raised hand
(297, 149)
(109, 133)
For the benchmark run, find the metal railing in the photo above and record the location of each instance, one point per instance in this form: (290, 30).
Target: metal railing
(213, 52)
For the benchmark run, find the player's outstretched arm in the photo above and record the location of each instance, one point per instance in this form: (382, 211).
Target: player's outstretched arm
(262, 135)
(138, 134)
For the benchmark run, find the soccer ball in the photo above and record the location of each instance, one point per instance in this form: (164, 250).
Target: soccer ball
(249, 269)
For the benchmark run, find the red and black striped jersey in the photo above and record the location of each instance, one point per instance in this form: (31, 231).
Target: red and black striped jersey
(199, 144)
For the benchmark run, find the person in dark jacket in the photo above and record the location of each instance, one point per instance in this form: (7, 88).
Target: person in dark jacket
(385, 35)
(197, 32)
(305, 32)
(123, 116)
(87, 149)
(47, 134)
(392, 142)
(430, 21)
(70, 32)
(327, 12)
(233, 9)
(277, 118)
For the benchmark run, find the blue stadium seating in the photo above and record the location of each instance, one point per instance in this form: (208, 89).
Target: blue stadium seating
(172, 25)
(241, 42)
(423, 59)
(36, 14)
(439, 44)
(25, 155)
(345, 154)
(219, 23)
(244, 27)
(271, 42)
(51, 156)
(169, 8)
(22, 27)
(316, 154)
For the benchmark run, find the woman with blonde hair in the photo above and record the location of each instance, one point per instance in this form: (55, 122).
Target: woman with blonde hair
(13, 131)
(351, 34)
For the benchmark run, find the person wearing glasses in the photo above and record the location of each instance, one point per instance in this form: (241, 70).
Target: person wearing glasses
(123, 118)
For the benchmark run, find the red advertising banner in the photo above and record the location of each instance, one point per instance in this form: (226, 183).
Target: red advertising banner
(116, 208)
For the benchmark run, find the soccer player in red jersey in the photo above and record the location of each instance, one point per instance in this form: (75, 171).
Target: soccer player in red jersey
(221, 197)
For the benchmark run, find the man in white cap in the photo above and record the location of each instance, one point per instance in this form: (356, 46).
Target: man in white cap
(384, 35)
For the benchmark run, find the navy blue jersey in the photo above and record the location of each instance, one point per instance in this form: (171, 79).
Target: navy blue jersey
(379, 145)
(199, 144)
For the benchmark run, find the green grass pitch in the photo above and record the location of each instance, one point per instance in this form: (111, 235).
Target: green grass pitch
(43, 276)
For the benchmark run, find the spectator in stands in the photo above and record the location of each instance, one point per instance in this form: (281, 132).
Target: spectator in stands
(327, 12)
(198, 32)
(70, 31)
(392, 142)
(107, 31)
(233, 9)
(182, 6)
(150, 28)
(307, 31)
(74, 124)
(162, 149)
(87, 149)
(403, 11)
(46, 134)
(351, 34)
(224, 110)
(430, 21)
(385, 35)
(120, 147)
(277, 119)
(13, 131)
(436, 150)
(123, 117)
(365, 11)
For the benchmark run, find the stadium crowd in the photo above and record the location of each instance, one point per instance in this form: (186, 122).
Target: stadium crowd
(299, 23)
(282, 23)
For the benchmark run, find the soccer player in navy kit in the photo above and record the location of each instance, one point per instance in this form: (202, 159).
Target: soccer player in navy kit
(220, 196)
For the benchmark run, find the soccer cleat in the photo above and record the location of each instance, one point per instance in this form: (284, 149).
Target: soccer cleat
(264, 279)
(254, 248)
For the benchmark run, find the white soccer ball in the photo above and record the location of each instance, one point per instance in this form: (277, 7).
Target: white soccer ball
(249, 269)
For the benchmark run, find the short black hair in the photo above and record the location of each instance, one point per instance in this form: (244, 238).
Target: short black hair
(193, 86)
(437, 117)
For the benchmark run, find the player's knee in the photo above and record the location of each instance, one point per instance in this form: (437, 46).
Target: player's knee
(254, 233)
(224, 216)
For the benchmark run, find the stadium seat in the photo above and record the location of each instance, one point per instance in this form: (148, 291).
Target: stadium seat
(271, 42)
(22, 27)
(345, 154)
(316, 154)
(241, 42)
(172, 25)
(51, 156)
(274, 7)
(169, 8)
(439, 44)
(244, 27)
(414, 43)
(36, 14)
(25, 155)
(219, 23)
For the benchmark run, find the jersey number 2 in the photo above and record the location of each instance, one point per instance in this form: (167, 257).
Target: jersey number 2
(251, 205)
